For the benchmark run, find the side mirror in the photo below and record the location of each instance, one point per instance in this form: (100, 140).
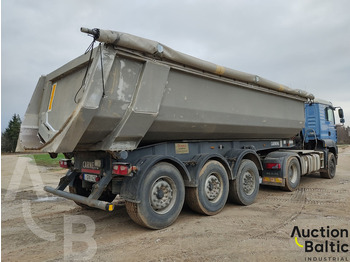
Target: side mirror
(342, 120)
(341, 113)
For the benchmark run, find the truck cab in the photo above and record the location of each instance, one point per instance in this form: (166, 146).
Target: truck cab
(320, 127)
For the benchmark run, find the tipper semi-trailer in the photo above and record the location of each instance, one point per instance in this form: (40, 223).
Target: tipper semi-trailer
(157, 127)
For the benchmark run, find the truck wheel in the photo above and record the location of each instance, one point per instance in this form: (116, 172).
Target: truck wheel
(210, 196)
(293, 174)
(79, 190)
(330, 173)
(244, 189)
(162, 197)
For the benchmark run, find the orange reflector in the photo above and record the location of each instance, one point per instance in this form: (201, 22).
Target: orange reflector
(52, 95)
(273, 179)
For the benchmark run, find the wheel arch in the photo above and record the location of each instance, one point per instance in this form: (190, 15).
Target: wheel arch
(197, 163)
(334, 151)
(130, 189)
(236, 156)
(284, 156)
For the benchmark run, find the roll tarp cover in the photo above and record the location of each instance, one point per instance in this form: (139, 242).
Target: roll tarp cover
(154, 48)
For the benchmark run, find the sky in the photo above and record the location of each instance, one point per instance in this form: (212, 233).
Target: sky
(304, 44)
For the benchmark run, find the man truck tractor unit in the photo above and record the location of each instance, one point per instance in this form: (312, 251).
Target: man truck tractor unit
(157, 127)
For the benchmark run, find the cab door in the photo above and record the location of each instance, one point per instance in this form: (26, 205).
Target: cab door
(329, 130)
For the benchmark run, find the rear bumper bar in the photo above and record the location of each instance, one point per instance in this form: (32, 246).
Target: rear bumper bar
(91, 200)
(84, 200)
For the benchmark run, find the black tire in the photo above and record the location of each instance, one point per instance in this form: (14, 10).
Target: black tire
(292, 175)
(79, 190)
(162, 197)
(210, 196)
(244, 189)
(331, 167)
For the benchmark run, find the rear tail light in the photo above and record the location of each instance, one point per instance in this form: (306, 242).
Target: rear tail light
(65, 163)
(275, 166)
(123, 169)
(120, 170)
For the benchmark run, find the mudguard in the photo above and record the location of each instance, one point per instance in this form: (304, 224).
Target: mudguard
(130, 189)
(282, 157)
(235, 157)
(197, 163)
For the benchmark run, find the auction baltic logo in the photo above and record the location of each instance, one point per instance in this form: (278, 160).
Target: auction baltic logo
(323, 241)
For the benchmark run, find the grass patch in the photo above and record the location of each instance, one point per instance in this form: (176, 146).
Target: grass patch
(46, 160)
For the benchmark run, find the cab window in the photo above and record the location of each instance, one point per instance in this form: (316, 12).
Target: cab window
(329, 115)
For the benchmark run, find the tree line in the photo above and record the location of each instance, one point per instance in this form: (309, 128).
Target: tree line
(10, 136)
(343, 134)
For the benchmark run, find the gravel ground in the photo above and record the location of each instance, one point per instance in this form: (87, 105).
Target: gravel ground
(38, 227)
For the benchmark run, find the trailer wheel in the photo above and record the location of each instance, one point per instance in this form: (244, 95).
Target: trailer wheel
(293, 174)
(162, 194)
(210, 196)
(79, 190)
(330, 173)
(244, 189)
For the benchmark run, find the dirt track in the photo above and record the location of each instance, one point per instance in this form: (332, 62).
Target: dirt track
(39, 227)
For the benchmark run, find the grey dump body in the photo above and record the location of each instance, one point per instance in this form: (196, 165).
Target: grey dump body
(138, 92)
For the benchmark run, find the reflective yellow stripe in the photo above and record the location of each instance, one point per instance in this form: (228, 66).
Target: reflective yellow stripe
(52, 95)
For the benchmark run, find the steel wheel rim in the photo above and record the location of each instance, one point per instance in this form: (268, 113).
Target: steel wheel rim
(163, 195)
(213, 187)
(248, 183)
